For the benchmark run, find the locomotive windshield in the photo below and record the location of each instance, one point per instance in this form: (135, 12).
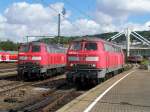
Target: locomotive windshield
(24, 48)
(86, 46)
(76, 46)
(90, 46)
(36, 48)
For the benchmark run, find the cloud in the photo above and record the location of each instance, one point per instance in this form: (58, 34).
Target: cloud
(22, 19)
(120, 10)
(116, 13)
(147, 24)
(2, 19)
(103, 18)
(120, 7)
(23, 13)
(136, 26)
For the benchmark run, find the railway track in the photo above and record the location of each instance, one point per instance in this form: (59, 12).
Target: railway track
(11, 75)
(60, 100)
(10, 89)
(7, 65)
(51, 100)
(6, 84)
(16, 85)
(8, 70)
(13, 86)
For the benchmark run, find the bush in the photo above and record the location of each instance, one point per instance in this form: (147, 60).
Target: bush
(145, 62)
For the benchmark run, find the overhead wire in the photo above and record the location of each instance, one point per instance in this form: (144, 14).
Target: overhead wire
(78, 10)
(81, 12)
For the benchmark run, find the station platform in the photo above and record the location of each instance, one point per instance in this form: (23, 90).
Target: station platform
(126, 92)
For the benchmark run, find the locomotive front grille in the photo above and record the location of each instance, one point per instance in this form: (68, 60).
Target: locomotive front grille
(28, 66)
(84, 66)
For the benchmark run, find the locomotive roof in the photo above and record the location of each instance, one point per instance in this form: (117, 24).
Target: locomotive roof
(94, 39)
(89, 39)
(56, 46)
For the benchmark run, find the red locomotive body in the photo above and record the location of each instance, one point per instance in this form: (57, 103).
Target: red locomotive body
(92, 58)
(4, 56)
(13, 57)
(8, 56)
(37, 59)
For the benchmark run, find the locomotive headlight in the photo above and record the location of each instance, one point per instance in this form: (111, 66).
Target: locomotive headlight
(73, 58)
(36, 58)
(93, 65)
(92, 58)
(71, 64)
(23, 58)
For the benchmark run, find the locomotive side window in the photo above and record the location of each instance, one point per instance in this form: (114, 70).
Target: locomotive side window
(108, 47)
(24, 48)
(112, 48)
(47, 48)
(36, 48)
(90, 46)
(115, 49)
(50, 49)
(118, 50)
(75, 46)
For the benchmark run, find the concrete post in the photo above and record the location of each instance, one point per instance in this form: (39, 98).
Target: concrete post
(128, 32)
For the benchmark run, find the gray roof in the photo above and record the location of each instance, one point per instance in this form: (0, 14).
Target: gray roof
(88, 39)
(95, 39)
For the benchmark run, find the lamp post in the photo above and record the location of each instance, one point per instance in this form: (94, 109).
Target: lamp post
(59, 22)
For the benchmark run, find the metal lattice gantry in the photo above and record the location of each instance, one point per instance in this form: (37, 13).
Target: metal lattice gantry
(128, 32)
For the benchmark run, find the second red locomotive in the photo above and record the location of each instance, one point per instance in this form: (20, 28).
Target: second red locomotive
(37, 59)
(89, 59)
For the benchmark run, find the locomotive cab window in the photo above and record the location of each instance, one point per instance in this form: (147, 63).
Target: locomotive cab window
(75, 46)
(90, 46)
(24, 48)
(36, 48)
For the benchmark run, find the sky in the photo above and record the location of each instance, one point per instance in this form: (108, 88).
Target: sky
(20, 18)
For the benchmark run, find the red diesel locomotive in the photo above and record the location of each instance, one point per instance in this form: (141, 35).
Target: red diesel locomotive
(37, 59)
(89, 59)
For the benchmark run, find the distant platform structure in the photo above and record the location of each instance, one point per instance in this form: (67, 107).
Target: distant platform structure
(140, 47)
(136, 50)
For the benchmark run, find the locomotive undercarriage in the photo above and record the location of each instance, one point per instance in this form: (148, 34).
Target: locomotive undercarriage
(91, 76)
(86, 77)
(32, 70)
